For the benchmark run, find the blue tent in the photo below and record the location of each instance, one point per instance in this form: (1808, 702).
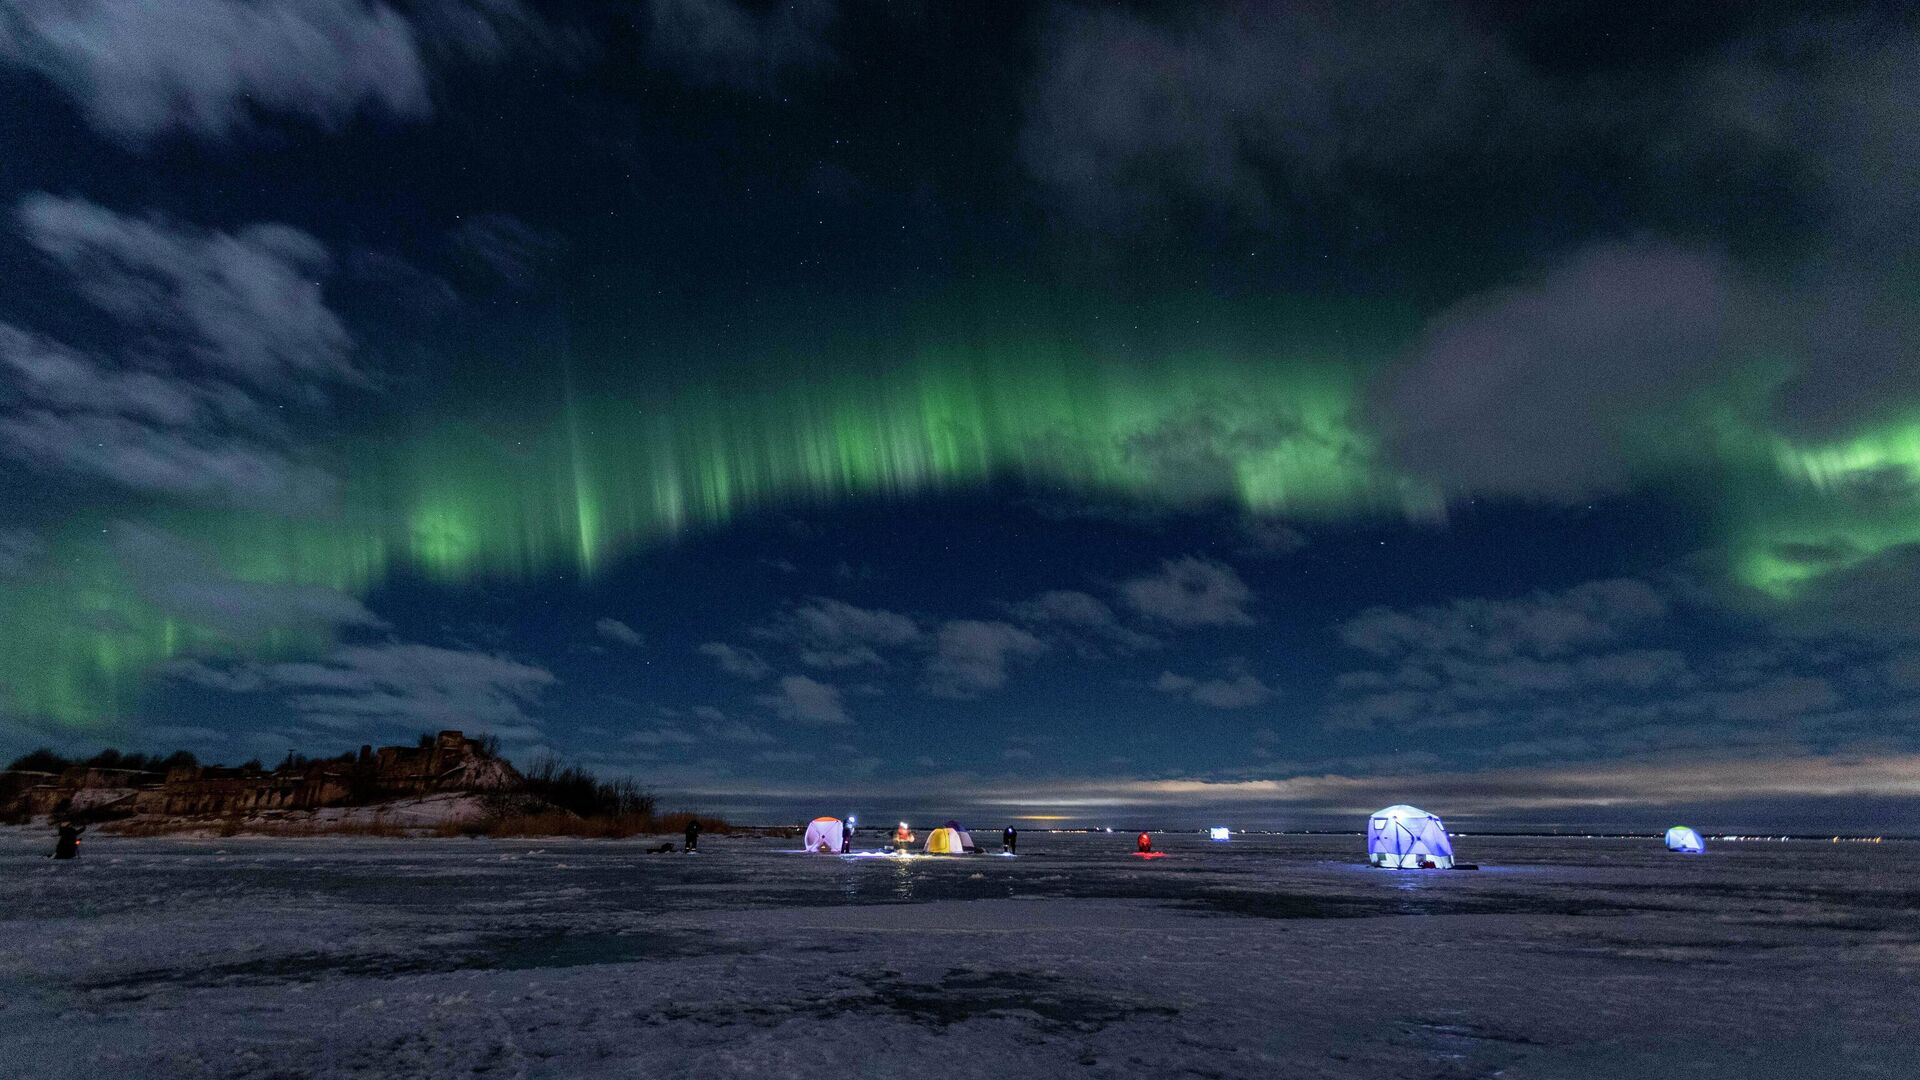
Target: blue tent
(1407, 837)
(1685, 841)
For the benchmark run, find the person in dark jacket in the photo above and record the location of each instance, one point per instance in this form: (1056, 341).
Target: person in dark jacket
(68, 845)
(1009, 840)
(693, 835)
(846, 838)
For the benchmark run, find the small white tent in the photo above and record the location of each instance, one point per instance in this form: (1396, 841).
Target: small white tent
(1406, 837)
(825, 833)
(1685, 841)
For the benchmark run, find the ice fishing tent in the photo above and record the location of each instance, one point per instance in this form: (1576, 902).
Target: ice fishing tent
(1685, 840)
(1406, 837)
(966, 838)
(946, 840)
(825, 830)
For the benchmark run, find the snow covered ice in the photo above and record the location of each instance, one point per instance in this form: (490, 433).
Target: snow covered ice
(1268, 956)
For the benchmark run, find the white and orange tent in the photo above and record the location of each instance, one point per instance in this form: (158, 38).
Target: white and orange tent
(825, 834)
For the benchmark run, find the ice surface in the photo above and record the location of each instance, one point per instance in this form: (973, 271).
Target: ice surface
(1269, 956)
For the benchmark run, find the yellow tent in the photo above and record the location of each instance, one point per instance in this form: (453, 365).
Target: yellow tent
(945, 842)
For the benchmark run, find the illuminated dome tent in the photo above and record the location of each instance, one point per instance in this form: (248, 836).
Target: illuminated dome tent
(1684, 840)
(966, 838)
(948, 840)
(1408, 838)
(825, 830)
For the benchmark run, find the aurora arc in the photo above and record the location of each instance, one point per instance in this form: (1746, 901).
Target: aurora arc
(568, 489)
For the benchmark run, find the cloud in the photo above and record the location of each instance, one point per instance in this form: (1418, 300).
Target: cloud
(1535, 390)
(970, 657)
(200, 313)
(617, 631)
(247, 302)
(65, 413)
(1652, 782)
(19, 549)
(722, 43)
(1544, 624)
(827, 633)
(1191, 591)
(806, 701)
(1872, 599)
(1258, 108)
(394, 685)
(1240, 691)
(212, 68)
(736, 661)
(186, 583)
(713, 726)
(1555, 387)
(740, 732)
(1266, 538)
(206, 66)
(1069, 610)
(506, 248)
(1542, 659)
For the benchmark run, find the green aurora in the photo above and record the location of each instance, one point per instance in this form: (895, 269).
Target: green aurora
(567, 489)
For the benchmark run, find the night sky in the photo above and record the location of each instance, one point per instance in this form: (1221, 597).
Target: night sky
(1110, 413)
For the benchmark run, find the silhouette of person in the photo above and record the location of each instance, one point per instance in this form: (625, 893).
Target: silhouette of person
(693, 834)
(68, 844)
(1009, 840)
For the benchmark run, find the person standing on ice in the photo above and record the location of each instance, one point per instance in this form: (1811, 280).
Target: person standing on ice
(1143, 845)
(846, 837)
(693, 835)
(1009, 839)
(67, 846)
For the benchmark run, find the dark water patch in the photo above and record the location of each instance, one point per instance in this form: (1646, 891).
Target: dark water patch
(962, 994)
(489, 952)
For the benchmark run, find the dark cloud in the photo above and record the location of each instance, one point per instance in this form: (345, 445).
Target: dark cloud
(1582, 674)
(206, 66)
(1267, 538)
(67, 413)
(616, 631)
(507, 248)
(806, 701)
(1535, 390)
(725, 43)
(1084, 621)
(214, 67)
(188, 584)
(248, 302)
(19, 549)
(219, 331)
(970, 657)
(736, 661)
(828, 633)
(1866, 596)
(1544, 624)
(1240, 691)
(408, 686)
(1260, 108)
(1191, 591)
